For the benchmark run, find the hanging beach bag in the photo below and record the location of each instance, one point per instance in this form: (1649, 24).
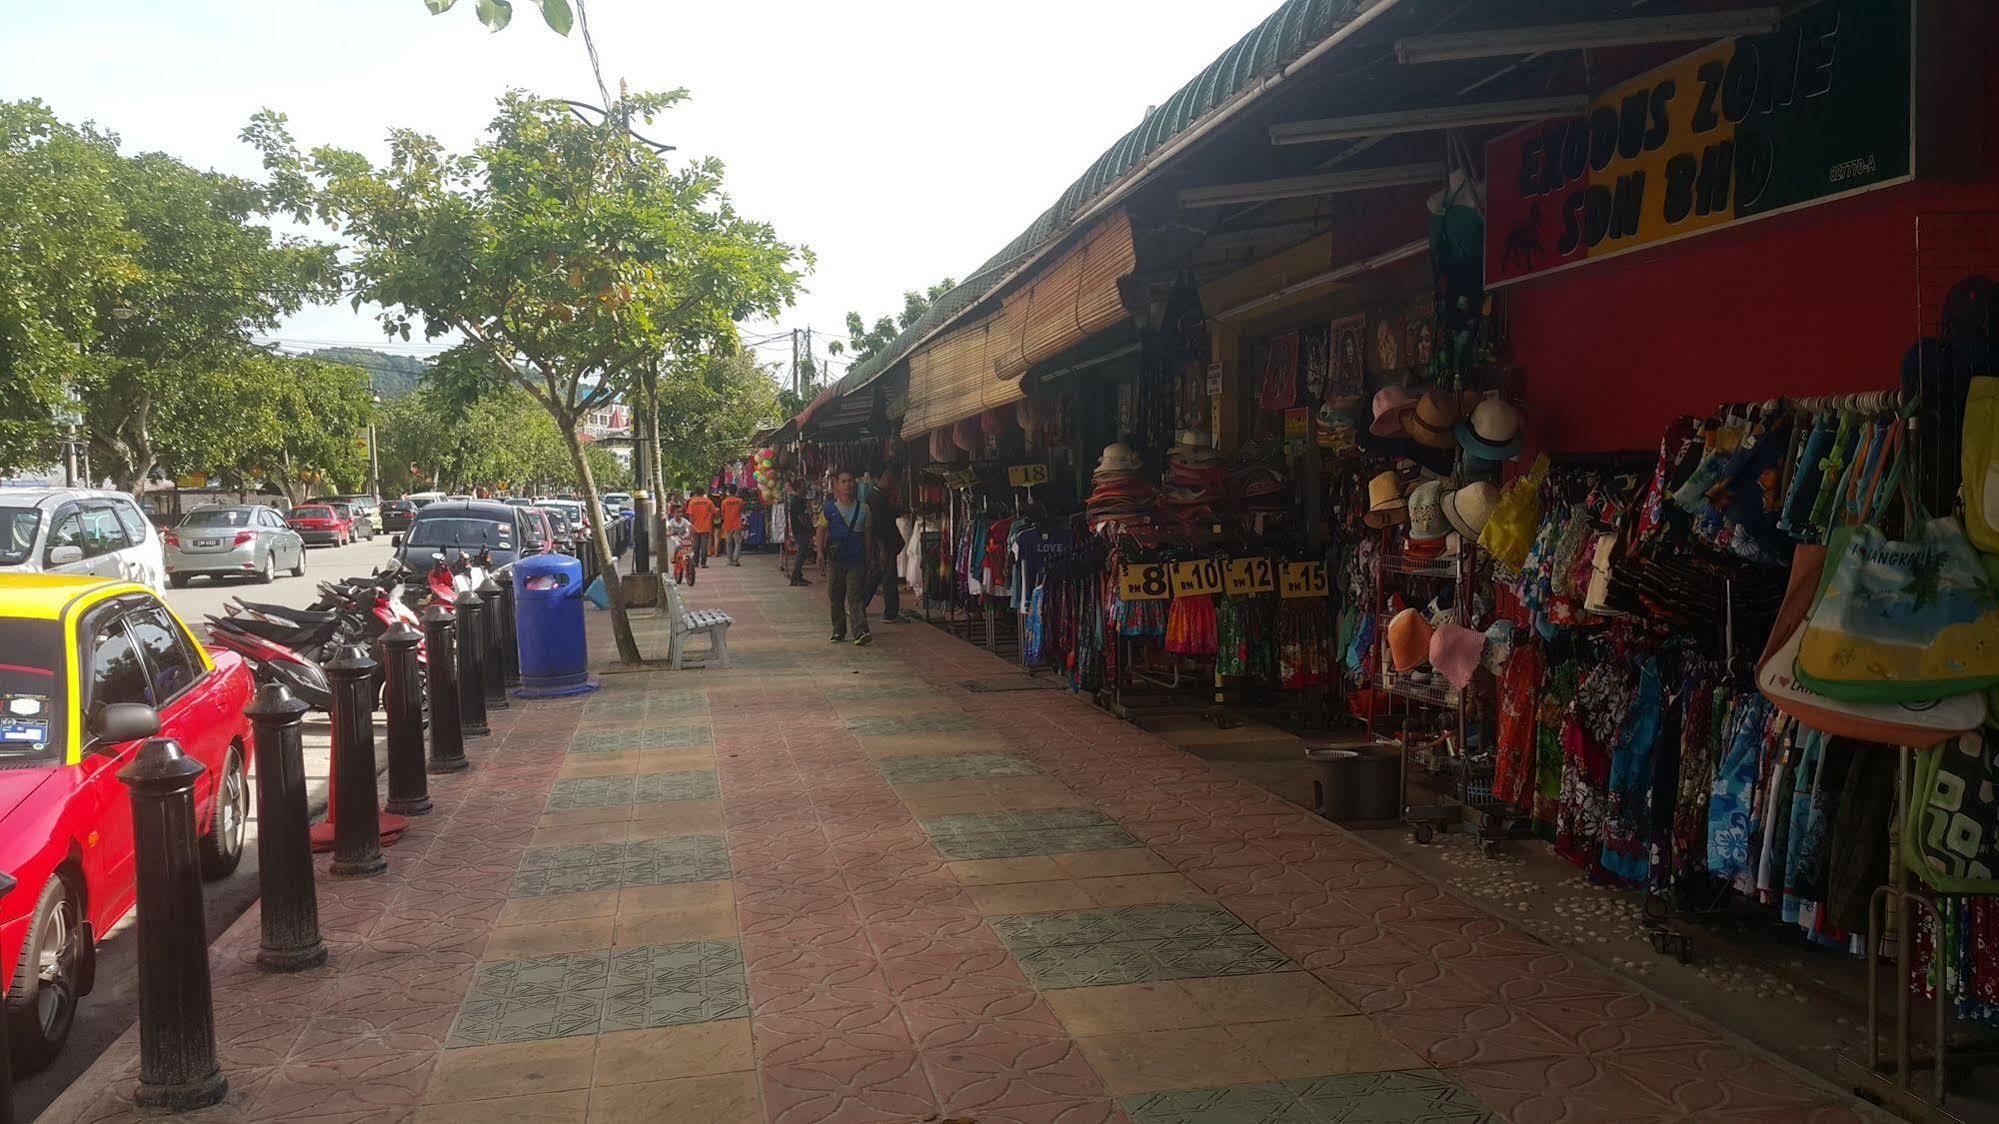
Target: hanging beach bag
(1901, 621)
(1516, 518)
(1952, 844)
(1981, 464)
(1918, 724)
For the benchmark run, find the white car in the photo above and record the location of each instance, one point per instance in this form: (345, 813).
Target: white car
(79, 531)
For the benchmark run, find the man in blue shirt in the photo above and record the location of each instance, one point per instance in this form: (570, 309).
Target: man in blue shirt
(845, 557)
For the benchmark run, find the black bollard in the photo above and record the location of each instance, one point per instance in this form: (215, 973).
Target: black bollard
(471, 623)
(447, 737)
(495, 662)
(510, 641)
(177, 1067)
(6, 1056)
(357, 817)
(284, 841)
(409, 787)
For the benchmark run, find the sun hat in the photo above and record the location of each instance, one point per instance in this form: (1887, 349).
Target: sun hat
(1433, 420)
(1492, 431)
(1468, 508)
(1408, 640)
(1426, 513)
(1391, 403)
(1385, 505)
(1455, 650)
(1118, 457)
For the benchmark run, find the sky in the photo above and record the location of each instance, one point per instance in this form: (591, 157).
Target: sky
(904, 141)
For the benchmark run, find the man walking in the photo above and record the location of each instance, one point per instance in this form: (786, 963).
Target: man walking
(701, 513)
(845, 555)
(883, 511)
(798, 510)
(732, 527)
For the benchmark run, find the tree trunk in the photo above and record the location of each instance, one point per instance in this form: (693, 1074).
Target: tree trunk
(600, 541)
(655, 465)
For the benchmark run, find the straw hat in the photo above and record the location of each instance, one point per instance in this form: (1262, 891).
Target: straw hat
(1455, 650)
(1391, 403)
(1468, 508)
(1118, 457)
(1385, 505)
(1426, 513)
(1492, 432)
(1408, 640)
(1192, 439)
(1433, 420)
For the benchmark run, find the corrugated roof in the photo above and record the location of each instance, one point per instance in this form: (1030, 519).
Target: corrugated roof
(1293, 29)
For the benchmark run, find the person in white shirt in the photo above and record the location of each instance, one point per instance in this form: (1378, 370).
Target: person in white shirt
(678, 530)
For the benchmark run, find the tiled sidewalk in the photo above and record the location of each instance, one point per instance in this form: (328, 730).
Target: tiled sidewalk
(831, 884)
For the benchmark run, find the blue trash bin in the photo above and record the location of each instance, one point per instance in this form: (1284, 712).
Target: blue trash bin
(548, 600)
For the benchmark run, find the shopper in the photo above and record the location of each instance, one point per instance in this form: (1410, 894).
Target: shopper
(701, 513)
(883, 511)
(798, 510)
(732, 527)
(844, 557)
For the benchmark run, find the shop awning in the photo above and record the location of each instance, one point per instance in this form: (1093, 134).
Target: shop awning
(1073, 299)
(952, 379)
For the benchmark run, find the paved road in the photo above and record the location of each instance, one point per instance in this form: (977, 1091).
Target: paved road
(207, 595)
(113, 1006)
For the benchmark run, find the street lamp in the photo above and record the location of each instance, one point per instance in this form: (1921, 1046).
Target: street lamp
(374, 462)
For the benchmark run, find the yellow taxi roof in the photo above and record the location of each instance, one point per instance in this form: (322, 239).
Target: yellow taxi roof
(46, 596)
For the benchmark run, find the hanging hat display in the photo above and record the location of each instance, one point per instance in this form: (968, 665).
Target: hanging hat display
(1468, 508)
(1455, 651)
(1426, 513)
(1391, 404)
(1434, 420)
(1118, 457)
(1385, 505)
(1492, 431)
(965, 435)
(1409, 640)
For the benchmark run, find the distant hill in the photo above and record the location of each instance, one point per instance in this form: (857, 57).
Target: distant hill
(394, 375)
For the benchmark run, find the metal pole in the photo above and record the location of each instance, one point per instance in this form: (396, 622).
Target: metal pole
(290, 915)
(357, 823)
(177, 1066)
(409, 788)
(471, 624)
(510, 640)
(447, 737)
(494, 665)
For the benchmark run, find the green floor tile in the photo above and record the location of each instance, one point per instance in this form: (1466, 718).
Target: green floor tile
(1009, 835)
(559, 996)
(1136, 944)
(895, 725)
(582, 867)
(921, 768)
(645, 788)
(1411, 1097)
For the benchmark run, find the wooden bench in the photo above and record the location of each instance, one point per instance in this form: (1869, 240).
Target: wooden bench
(714, 623)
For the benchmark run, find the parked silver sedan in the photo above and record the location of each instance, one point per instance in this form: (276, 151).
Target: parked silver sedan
(245, 541)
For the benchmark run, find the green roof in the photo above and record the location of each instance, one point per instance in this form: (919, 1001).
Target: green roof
(1293, 29)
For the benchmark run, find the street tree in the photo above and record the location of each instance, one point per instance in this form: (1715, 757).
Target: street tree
(64, 250)
(295, 423)
(866, 343)
(562, 254)
(208, 273)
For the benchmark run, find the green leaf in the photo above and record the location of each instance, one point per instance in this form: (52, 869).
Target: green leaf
(558, 15)
(496, 14)
(439, 7)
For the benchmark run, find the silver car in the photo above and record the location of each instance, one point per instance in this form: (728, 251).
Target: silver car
(245, 541)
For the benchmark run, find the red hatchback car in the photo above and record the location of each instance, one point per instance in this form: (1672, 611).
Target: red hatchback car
(317, 522)
(89, 668)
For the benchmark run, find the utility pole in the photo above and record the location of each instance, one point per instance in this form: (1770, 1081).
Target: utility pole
(797, 387)
(811, 368)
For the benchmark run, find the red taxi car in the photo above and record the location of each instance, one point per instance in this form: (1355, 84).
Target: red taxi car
(318, 522)
(90, 668)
